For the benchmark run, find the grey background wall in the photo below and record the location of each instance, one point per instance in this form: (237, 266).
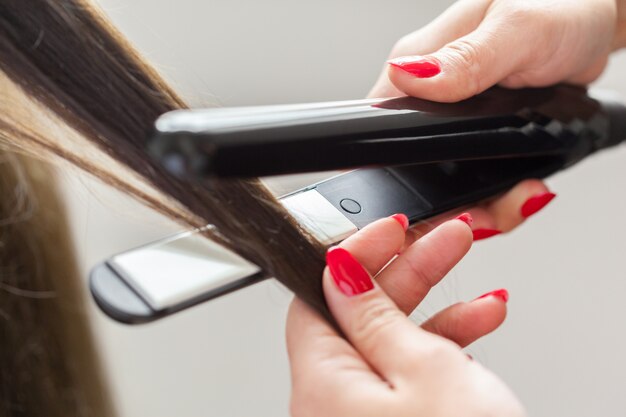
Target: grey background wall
(562, 347)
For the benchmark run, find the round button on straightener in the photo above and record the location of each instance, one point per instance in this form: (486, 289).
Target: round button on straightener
(350, 206)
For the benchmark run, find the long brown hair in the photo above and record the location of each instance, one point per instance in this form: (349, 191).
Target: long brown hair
(74, 90)
(68, 60)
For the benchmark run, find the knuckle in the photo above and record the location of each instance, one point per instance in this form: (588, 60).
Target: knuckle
(377, 316)
(426, 277)
(466, 57)
(448, 327)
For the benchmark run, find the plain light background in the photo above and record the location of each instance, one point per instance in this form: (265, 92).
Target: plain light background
(562, 346)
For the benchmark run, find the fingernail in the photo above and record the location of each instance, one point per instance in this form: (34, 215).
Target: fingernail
(417, 66)
(402, 219)
(465, 218)
(349, 275)
(501, 294)
(536, 203)
(480, 234)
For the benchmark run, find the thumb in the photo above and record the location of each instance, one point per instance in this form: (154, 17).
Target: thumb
(462, 68)
(373, 324)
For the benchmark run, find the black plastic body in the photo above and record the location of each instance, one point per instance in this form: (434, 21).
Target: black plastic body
(426, 190)
(559, 121)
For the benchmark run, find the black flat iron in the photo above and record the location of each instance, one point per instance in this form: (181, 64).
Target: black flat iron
(408, 156)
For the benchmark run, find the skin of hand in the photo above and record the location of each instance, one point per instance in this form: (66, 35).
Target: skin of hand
(515, 43)
(620, 35)
(387, 365)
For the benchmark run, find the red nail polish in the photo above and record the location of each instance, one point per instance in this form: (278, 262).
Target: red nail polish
(417, 66)
(402, 219)
(465, 218)
(480, 234)
(349, 275)
(501, 294)
(536, 203)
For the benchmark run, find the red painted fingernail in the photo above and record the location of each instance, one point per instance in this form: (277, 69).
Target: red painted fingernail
(501, 294)
(480, 234)
(349, 275)
(402, 219)
(536, 203)
(417, 66)
(465, 218)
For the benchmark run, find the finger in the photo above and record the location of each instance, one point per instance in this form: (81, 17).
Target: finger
(478, 213)
(375, 244)
(464, 67)
(304, 326)
(496, 216)
(464, 323)
(458, 20)
(312, 342)
(373, 324)
(519, 203)
(412, 274)
(310, 339)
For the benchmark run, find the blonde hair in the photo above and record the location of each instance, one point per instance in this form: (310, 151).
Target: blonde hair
(48, 362)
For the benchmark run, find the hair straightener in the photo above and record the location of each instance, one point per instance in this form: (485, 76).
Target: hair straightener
(421, 158)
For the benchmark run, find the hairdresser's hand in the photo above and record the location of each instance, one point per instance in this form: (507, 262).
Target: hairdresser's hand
(476, 44)
(388, 365)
